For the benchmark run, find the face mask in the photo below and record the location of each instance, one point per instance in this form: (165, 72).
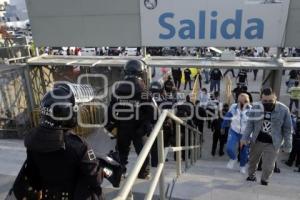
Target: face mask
(268, 106)
(241, 105)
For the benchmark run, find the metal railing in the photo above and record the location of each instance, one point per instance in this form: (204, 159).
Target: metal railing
(157, 132)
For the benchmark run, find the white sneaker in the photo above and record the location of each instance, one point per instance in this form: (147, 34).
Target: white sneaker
(243, 170)
(230, 164)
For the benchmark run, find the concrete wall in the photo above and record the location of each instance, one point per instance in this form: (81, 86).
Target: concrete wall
(116, 22)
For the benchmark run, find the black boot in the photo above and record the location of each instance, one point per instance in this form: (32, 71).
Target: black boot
(277, 170)
(144, 175)
(251, 178)
(297, 164)
(213, 153)
(265, 183)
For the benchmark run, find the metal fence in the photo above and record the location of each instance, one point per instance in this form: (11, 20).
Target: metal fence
(192, 143)
(23, 86)
(14, 101)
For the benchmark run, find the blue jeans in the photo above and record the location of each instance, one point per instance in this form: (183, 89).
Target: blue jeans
(215, 85)
(234, 139)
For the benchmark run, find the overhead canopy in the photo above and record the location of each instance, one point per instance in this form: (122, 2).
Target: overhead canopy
(291, 63)
(214, 62)
(91, 61)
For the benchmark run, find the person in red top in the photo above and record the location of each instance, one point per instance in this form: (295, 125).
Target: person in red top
(77, 51)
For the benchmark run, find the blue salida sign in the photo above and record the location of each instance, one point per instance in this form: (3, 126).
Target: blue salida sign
(214, 23)
(186, 28)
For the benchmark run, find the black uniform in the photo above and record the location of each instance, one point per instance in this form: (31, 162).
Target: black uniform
(187, 77)
(177, 74)
(242, 77)
(245, 90)
(137, 128)
(255, 71)
(293, 74)
(185, 110)
(217, 136)
(200, 117)
(295, 154)
(237, 91)
(167, 130)
(241, 89)
(60, 165)
(211, 111)
(168, 85)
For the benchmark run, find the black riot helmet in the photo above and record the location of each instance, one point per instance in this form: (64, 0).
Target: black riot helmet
(59, 106)
(134, 68)
(156, 87)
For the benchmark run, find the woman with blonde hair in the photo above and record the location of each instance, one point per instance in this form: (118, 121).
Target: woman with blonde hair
(236, 118)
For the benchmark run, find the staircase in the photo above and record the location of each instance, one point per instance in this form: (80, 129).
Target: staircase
(208, 179)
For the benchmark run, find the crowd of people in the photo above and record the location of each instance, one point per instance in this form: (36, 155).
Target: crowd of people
(213, 77)
(171, 51)
(254, 134)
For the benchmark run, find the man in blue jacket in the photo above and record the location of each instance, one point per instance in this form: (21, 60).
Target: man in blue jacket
(270, 126)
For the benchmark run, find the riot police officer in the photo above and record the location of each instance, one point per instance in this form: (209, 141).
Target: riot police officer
(169, 85)
(60, 164)
(186, 111)
(158, 95)
(129, 114)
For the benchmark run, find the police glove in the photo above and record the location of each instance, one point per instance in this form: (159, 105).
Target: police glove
(112, 169)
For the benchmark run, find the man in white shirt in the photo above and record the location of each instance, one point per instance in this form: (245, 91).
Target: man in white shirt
(204, 97)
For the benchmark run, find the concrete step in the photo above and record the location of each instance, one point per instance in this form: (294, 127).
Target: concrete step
(210, 180)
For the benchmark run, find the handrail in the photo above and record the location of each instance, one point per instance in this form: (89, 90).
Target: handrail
(157, 132)
(160, 167)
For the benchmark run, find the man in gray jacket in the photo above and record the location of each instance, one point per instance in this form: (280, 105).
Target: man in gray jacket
(270, 126)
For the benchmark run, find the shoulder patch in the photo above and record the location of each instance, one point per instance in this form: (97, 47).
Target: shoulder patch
(91, 154)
